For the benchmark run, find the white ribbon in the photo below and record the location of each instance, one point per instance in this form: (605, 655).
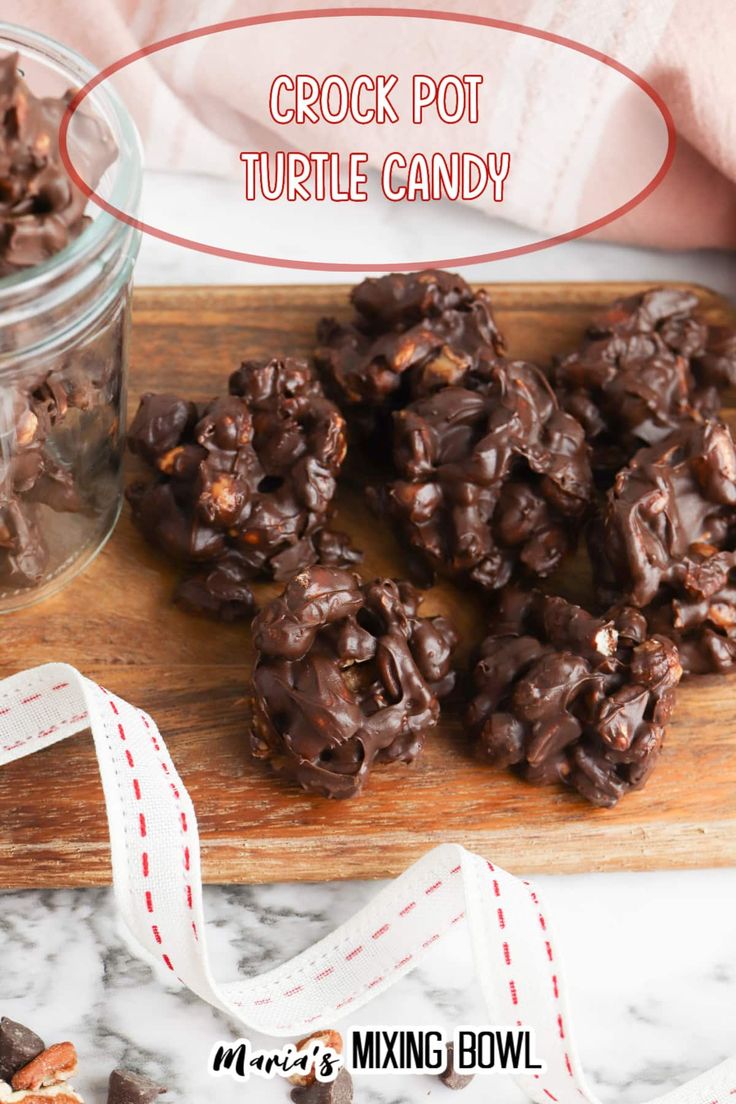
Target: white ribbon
(156, 875)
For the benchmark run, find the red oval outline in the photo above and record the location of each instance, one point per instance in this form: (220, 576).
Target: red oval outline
(333, 13)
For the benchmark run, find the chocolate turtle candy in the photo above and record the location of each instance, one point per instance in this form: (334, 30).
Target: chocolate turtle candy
(412, 334)
(347, 675)
(493, 478)
(563, 696)
(244, 482)
(647, 365)
(41, 209)
(679, 493)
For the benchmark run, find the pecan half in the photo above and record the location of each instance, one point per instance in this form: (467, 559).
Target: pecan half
(328, 1038)
(56, 1063)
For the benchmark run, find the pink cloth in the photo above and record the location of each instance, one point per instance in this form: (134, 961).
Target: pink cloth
(188, 110)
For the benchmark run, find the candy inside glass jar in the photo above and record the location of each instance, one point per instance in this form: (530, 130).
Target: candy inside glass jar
(65, 282)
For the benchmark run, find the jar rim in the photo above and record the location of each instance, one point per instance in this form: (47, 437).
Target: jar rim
(128, 177)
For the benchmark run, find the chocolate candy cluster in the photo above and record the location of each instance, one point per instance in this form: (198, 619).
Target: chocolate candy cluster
(563, 696)
(666, 538)
(493, 477)
(647, 365)
(244, 484)
(411, 336)
(347, 675)
(679, 493)
(59, 450)
(41, 210)
(490, 482)
(32, 1073)
(493, 465)
(47, 409)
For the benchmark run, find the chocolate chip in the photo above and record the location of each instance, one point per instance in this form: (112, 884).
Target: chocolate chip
(339, 1091)
(18, 1046)
(131, 1088)
(450, 1077)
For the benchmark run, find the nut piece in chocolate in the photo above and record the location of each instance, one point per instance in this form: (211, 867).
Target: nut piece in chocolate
(563, 696)
(347, 675)
(493, 478)
(646, 365)
(242, 484)
(679, 493)
(413, 334)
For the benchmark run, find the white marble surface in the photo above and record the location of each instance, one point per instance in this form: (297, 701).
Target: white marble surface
(651, 958)
(651, 967)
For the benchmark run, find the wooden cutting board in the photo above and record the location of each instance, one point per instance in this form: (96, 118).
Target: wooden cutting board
(116, 623)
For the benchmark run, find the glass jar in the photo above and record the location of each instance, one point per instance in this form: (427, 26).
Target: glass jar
(64, 326)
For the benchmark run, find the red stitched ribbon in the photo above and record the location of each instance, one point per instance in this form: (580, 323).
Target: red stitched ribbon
(156, 875)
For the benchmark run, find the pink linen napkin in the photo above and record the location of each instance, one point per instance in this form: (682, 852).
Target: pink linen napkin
(193, 105)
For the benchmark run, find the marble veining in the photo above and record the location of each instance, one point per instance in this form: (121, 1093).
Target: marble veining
(651, 958)
(651, 961)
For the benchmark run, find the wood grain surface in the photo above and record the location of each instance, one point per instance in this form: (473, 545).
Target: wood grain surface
(116, 623)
